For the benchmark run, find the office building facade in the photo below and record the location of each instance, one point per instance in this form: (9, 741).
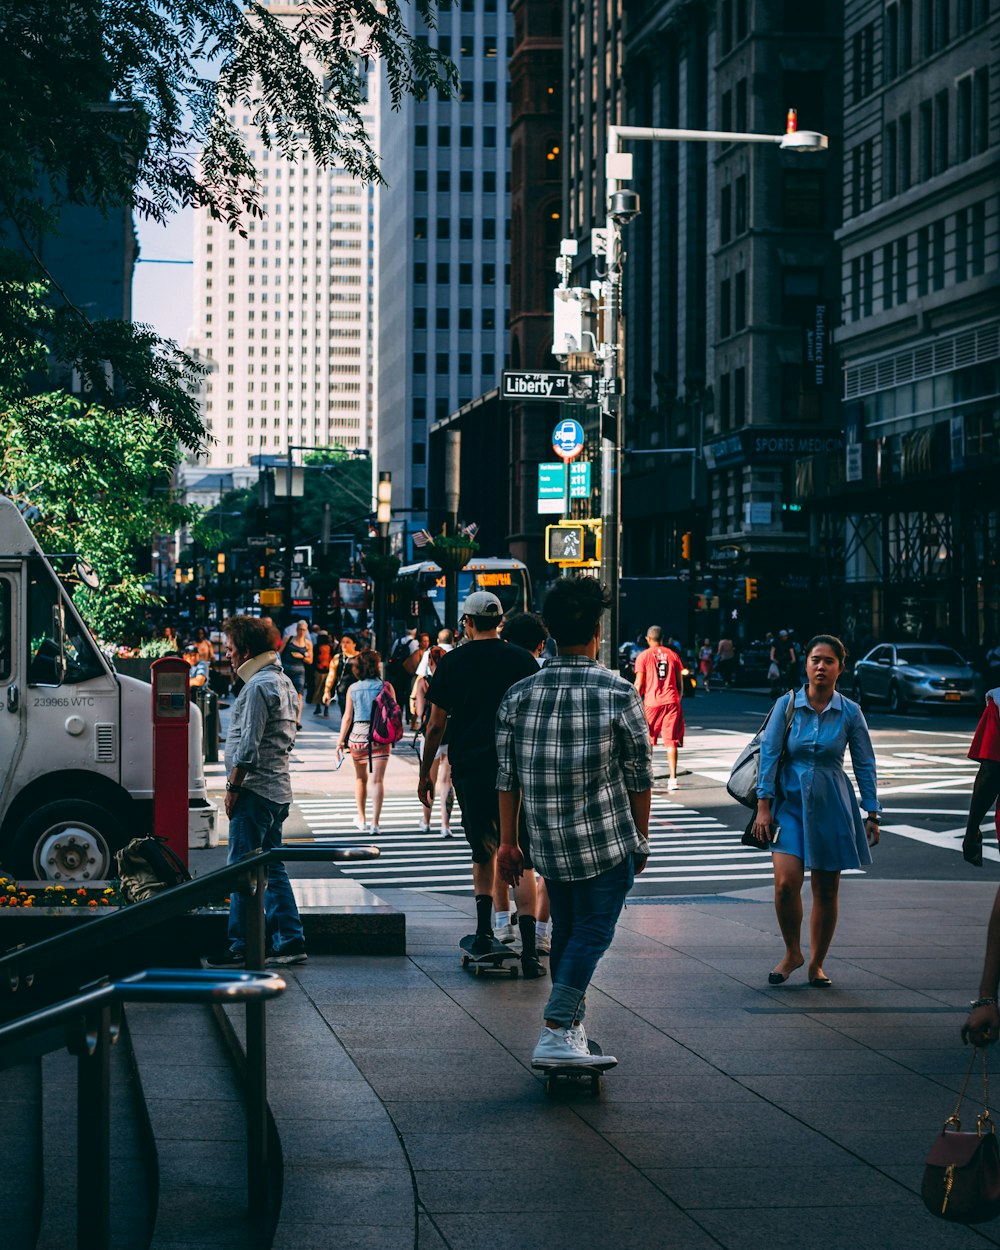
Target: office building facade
(444, 255)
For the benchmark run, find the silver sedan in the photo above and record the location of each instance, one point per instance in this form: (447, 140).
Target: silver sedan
(905, 673)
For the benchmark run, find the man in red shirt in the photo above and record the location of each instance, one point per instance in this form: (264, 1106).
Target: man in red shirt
(658, 672)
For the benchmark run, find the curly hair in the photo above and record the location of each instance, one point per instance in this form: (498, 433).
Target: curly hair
(250, 634)
(368, 663)
(572, 608)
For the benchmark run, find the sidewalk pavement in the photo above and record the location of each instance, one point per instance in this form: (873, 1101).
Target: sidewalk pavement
(740, 1115)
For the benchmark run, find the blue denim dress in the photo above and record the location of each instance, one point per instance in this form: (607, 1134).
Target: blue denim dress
(813, 801)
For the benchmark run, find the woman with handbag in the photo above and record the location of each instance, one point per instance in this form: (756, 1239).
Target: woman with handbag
(366, 756)
(806, 810)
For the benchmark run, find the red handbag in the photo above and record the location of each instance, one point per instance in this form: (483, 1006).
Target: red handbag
(962, 1177)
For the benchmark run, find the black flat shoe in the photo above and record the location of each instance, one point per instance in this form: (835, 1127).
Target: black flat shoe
(776, 978)
(820, 983)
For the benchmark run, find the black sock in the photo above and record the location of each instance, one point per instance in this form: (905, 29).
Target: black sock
(484, 915)
(526, 927)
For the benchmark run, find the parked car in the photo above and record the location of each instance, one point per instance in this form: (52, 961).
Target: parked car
(905, 673)
(627, 653)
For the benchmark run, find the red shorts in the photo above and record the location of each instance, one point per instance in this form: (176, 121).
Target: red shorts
(666, 721)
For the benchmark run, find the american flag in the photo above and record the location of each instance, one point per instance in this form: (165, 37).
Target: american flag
(421, 538)
(472, 530)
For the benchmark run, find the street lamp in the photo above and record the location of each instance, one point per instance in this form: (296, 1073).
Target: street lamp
(623, 207)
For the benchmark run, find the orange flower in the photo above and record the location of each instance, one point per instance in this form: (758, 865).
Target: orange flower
(82, 891)
(92, 903)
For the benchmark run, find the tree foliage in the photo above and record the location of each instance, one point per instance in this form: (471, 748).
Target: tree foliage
(125, 104)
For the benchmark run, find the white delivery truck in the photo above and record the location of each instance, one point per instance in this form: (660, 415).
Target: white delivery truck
(76, 753)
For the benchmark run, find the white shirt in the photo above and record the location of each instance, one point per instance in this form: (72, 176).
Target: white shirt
(422, 667)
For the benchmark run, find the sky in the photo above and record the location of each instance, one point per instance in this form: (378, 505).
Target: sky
(162, 294)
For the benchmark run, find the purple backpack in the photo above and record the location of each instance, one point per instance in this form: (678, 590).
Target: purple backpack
(386, 722)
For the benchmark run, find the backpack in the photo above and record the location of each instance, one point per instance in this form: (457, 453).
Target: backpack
(146, 866)
(386, 722)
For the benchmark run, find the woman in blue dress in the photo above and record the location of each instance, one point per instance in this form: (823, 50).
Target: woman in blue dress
(809, 814)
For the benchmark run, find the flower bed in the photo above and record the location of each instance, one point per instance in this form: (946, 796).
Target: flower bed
(13, 895)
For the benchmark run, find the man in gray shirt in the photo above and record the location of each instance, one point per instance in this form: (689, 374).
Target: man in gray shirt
(258, 788)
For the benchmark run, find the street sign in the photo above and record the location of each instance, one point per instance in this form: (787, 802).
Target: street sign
(261, 540)
(579, 480)
(567, 439)
(557, 387)
(551, 487)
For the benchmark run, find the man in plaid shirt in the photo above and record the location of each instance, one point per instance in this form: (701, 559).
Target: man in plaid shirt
(573, 745)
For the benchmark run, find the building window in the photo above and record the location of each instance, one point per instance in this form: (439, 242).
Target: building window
(800, 292)
(465, 182)
(923, 259)
(419, 180)
(419, 453)
(489, 136)
(740, 300)
(802, 201)
(444, 180)
(488, 364)
(963, 118)
(442, 363)
(725, 308)
(981, 111)
(726, 111)
(905, 152)
(464, 363)
(488, 319)
(890, 160)
(739, 397)
(420, 410)
(465, 136)
(489, 92)
(890, 44)
(419, 362)
(420, 273)
(742, 205)
(902, 276)
(978, 265)
(926, 167)
(465, 274)
(444, 136)
(490, 182)
(489, 228)
(465, 227)
(941, 117)
(725, 402)
(418, 496)
(442, 318)
(489, 275)
(742, 111)
(444, 227)
(725, 215)
(420, 318)
(888, 290)
(856, 288)
(443, 273)
(961, 245)
(420, 136)
(465, 314)
(420, 227)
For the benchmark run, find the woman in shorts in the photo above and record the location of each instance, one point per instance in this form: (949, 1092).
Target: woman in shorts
(440, 768)
(365, 755)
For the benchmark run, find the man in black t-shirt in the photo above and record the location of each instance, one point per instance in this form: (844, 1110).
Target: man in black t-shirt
(465, 693)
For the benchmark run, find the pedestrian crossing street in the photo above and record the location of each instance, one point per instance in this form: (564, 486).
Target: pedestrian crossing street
(687, 846)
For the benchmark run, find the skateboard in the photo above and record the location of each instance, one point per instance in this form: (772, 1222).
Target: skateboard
(494, 960)
(576, 1072)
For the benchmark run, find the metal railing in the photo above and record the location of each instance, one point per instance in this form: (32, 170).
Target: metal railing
(92, 1020)
(20, 969)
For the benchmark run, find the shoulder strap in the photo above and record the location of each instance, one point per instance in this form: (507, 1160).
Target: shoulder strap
(790, 711)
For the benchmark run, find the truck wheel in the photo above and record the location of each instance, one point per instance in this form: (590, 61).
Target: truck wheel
(69, 841)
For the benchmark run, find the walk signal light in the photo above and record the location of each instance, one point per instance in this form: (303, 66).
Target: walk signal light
(686, 546)
(751, 588)
(574, 544)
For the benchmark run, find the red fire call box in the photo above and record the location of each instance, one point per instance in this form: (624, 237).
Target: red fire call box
(171, 678)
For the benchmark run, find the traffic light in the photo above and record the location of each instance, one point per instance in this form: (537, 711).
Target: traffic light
(262, 572)
(686, 546)
(220, 562)
(750, 584)
(574, 544)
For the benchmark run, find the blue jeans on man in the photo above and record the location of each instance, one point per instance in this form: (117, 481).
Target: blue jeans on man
(256, 822)
(584, 915)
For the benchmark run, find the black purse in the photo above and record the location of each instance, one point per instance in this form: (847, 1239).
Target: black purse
(962, 1176)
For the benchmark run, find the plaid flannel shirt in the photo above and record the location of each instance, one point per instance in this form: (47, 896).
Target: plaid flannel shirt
(575, 740)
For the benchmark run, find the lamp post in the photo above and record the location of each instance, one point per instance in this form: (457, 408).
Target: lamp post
(383, 517)
(623, 207)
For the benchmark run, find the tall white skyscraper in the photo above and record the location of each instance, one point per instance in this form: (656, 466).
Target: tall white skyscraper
(285, 318)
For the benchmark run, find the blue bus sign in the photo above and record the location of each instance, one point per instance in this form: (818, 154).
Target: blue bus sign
(567, 439)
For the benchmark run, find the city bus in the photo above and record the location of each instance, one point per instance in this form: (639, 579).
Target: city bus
(423, 588)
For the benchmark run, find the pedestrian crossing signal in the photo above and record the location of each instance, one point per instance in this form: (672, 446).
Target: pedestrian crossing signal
(574, 544)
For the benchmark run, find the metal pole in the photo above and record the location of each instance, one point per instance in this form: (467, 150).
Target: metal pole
(452, 491)
(256, 1028)
(289, 541)
(610, 442)
(93, 1131)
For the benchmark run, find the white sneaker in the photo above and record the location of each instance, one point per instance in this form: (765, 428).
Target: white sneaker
(360, 825)
(373, 830)
(555, 1048)
(577, 1034)
(543, 945)
(446, 833)
(673, 784)
(506, 934)
(425, 828)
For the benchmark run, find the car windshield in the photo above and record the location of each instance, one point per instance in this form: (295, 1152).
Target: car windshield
(930, 657)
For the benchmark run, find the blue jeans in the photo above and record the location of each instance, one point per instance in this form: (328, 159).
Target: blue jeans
(584, 915)
(256, 822)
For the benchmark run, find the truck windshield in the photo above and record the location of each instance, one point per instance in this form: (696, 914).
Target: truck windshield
(44, 667)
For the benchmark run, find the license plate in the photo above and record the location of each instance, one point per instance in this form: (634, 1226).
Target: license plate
(952, 696)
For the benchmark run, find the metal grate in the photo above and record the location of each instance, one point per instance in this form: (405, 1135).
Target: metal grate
(104, 743)
(954, 351)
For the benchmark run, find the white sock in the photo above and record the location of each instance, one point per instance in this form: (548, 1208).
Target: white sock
(503, 918)
(541, 929)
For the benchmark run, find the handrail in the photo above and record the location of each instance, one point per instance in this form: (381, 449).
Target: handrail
(92, 1027)
(249, 875)
(21, 965)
